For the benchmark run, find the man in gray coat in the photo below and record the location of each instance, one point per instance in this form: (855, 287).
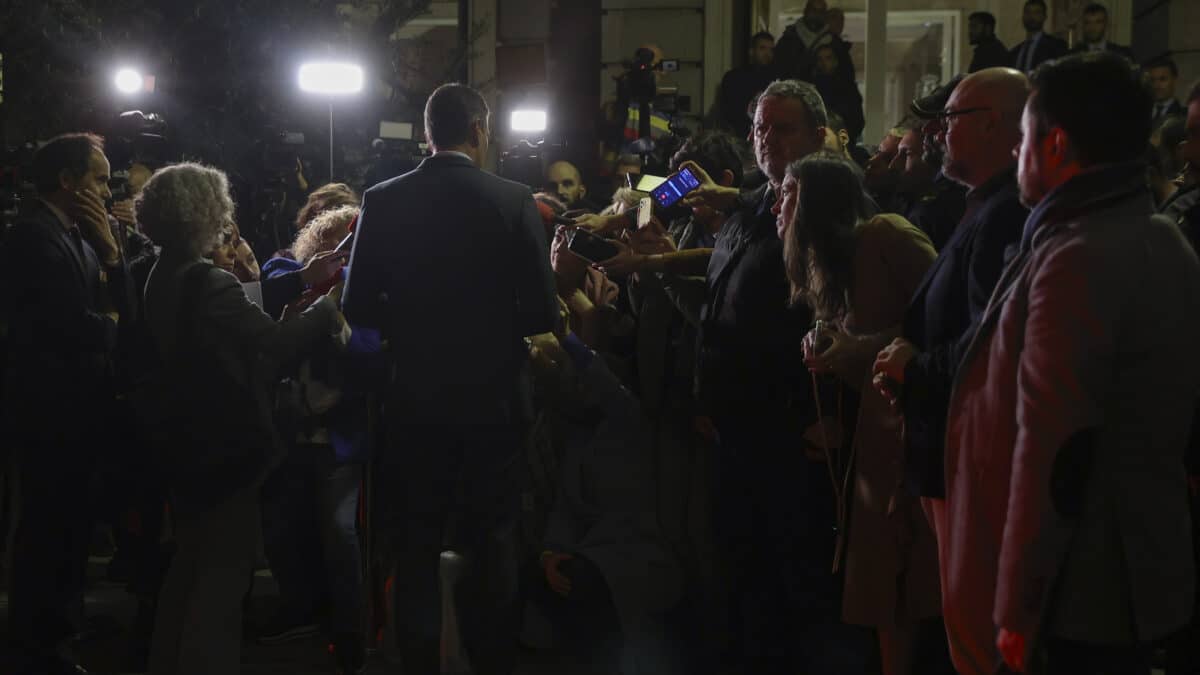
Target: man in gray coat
(1067, 547)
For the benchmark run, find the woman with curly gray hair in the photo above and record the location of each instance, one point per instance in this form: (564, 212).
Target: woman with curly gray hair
(211, 416)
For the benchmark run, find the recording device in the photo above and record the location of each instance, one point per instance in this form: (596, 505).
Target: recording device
(675, 187)
(590, 247)
(645, 212)
(820, 340)
(346, 244)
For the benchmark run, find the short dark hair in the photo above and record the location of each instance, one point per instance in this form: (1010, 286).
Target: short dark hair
(835, 122)
(1067, 92)
(1163, 62)
(1095, 8)
(449, 112)
(66, 152)
(715, 152)
(761, 35)
(1039, 3)
(986, 18)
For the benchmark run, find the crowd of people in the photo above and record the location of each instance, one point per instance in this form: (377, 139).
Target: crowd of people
(919, 407)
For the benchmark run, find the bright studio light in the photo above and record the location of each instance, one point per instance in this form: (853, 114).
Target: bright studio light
(331, 78)
(528, 120)
(128, 81)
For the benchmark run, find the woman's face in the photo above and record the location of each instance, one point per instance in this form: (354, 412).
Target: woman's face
(785, 205)
(224, 255)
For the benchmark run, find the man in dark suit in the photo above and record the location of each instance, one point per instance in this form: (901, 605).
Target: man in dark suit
(1038, 47)
(1164, 75)
(1095, 29)
(451, 264)
(990, 52)
(740, 85)
(942, 314)
(63, 276)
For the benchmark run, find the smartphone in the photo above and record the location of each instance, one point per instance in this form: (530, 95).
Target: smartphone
(345, 245)
(645, 211)
(647, 183)
(590, 247)
(675, 188)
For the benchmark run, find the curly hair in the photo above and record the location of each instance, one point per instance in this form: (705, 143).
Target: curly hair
(328, 196)
(308, 242)
(186, 208)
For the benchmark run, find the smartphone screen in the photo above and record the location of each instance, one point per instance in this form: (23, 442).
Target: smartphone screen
(590, 247)
(675, 188)
(647, 183)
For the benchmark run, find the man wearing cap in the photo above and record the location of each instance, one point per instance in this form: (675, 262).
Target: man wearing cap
(934, 203)
(979, 126)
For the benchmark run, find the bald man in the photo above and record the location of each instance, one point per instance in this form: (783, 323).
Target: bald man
(564, 180)
(979, 127)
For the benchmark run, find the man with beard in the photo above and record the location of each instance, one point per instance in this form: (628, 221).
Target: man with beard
(934, 202)
(740, 85)
(990, 52)
(979, 128)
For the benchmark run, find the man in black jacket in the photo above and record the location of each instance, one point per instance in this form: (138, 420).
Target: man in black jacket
(1038, 47)
(773, 505)
(990, 52)
(451, 264)
(740, 85)
(64, 283)
(1095, 30)
(980, 127)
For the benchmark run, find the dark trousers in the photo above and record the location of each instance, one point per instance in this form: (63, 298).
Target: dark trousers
(310, 535)
(584, 621)
(1065, 657)
(50, 547)
(774, 517)
(452, 487)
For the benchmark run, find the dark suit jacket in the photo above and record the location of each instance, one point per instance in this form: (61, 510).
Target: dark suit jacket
(1173, 109)
(990, 54)
(1048, 48)
(60, 345)
(941, 318)
(749, 356)
(1108, 46)
(451, 264)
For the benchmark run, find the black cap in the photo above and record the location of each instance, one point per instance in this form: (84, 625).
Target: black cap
(928, 107)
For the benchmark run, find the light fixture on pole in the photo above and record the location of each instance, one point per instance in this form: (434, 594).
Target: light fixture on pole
(331, 79)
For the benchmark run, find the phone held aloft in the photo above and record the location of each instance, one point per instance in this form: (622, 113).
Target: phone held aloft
(675, 187)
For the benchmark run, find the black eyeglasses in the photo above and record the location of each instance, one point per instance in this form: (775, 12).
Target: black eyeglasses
(943, 117)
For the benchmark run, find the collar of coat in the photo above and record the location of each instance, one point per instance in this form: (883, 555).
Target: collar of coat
(1087, 191)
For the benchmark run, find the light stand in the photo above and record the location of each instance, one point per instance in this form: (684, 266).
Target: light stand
(331, 79)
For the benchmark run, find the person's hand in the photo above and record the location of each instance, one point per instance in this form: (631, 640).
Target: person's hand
(1012, 649)
(889, 367)
(598, 224)
(824, 347)
(88, 211)
(296, 307)
(557, 581)
(710, 194)
(322, 266)
(335, 293)
(648, 241)
(624, 263)
(123, 211)
(301, 181)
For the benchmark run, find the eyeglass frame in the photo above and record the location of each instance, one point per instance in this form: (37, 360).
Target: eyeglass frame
(942, 117)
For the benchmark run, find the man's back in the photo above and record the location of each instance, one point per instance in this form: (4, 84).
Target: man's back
(451, 263)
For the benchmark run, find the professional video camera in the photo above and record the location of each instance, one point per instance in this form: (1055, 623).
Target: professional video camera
(638, 86)
(393, 157)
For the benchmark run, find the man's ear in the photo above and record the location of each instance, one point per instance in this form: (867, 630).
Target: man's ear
(1057, 147)
(844, 137)
(65, 181)
(582, 189)
(477, 133)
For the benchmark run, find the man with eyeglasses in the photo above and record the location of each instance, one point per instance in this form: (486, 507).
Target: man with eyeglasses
(979, 128)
